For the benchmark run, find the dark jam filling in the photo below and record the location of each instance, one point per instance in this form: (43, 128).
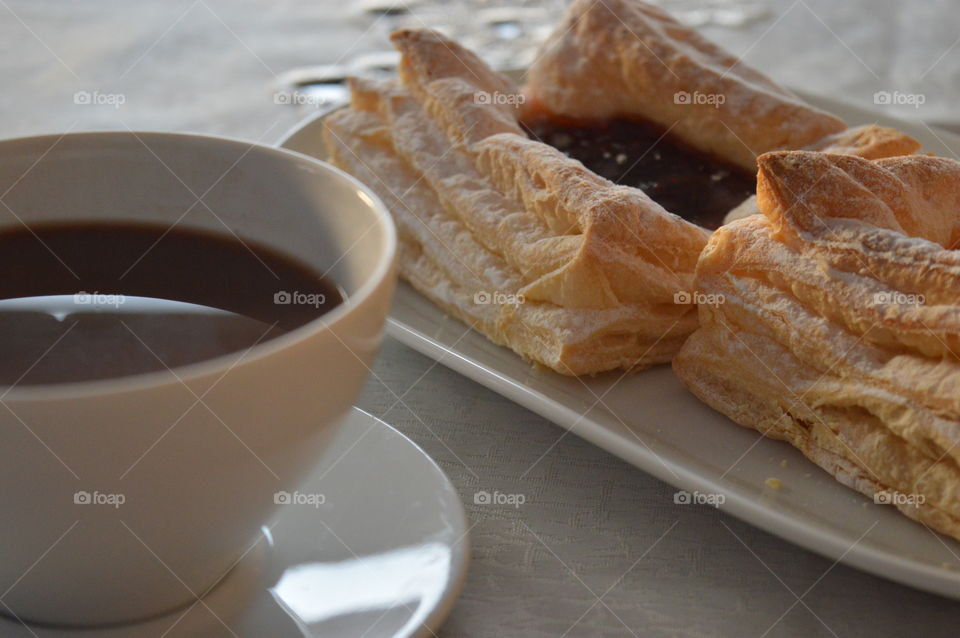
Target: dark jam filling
(700, 188)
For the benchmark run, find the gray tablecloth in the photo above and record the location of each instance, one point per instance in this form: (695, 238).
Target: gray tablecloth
(597, 548)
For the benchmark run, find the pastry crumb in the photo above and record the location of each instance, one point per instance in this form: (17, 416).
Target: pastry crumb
(774, 483)
(784, 463)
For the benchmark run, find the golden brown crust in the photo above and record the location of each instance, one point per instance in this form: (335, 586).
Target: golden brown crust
(481, 208)
(596, 264)
(870, 142)
(628, 58)
(840, 323)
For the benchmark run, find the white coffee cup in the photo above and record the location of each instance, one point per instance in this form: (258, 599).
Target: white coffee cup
(129, 497)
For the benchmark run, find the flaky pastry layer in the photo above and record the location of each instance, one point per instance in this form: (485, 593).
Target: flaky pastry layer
(520, 241)
(837, 323)
(628, 58)
(508, 234)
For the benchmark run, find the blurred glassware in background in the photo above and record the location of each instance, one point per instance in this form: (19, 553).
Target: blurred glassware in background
(505, 34)
(724, 13)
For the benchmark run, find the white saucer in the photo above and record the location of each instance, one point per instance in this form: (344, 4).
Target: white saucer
(385, 554)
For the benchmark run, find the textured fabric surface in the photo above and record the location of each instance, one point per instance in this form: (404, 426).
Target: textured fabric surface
(591, 526)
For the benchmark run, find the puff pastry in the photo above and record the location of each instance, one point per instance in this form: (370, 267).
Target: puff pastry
(839, 327)
(624, 57)
(526, 244)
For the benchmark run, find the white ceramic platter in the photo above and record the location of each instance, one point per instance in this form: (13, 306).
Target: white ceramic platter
(650, 420)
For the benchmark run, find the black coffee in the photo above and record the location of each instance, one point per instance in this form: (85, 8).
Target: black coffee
(91, 301)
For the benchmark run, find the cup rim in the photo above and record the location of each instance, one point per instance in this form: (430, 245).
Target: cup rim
(221, 363)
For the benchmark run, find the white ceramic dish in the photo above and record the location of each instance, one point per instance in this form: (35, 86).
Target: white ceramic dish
(650, 420)
(384, 556)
